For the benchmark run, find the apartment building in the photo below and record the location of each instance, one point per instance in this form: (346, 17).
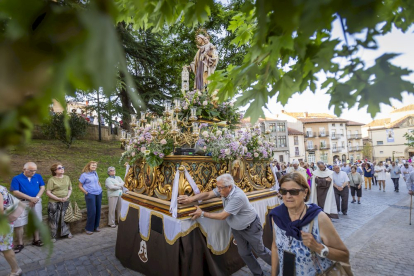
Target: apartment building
(387, 135)
(278, 135)
(355, 143)
(296, 145)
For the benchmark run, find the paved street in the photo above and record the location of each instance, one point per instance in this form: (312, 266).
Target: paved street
(376, 232)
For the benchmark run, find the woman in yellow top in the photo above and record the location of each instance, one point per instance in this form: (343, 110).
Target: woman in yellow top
(58, 189)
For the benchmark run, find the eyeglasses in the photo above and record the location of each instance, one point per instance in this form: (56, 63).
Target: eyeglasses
(221, 188)
(60, 168)
(32, 171)
(293, 192)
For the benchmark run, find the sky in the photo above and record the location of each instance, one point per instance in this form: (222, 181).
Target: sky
(394, 42)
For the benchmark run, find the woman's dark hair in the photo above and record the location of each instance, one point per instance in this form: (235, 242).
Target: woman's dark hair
(354, 167)
(54, 167)
(299, 179)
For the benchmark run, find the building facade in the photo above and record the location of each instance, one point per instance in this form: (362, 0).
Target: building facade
(296, 145)
(355, 142)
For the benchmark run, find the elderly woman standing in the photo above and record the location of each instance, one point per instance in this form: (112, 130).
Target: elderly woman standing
(355, 181)
(114, 186)
(6, 241)
(89, 184)
(380, 170)
(299, 230)
(58, 189)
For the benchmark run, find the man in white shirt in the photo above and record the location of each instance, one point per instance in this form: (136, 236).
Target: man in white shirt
(341, 187)
(296, 168)
(406, 170)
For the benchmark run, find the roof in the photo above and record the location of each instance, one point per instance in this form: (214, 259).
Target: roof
(398, 122)
(298, 115)
(409, 107)
(353, 123)
(292, 131)
(322, 120)
(379, 123)
(247, 120)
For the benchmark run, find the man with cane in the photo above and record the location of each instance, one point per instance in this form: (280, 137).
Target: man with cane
(410, 186)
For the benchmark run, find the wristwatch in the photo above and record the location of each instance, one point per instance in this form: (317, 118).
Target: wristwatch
(324, 252)
(202, 215)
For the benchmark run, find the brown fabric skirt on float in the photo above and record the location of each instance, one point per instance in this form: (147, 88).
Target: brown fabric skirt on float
(321, 191)
(188, 256)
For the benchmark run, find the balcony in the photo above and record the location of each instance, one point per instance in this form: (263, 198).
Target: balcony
(281, 146)
(311, 147)
(337, 149)
(324, 147)
(311, 134)
(324, 134)
(354, 136)
(357, 148)
(336, 136)
(297, 154)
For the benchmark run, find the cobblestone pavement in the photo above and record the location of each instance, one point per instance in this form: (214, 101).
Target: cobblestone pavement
(376, 233)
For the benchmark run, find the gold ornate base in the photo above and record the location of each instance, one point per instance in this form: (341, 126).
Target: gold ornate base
(249, 175)
(183, 211)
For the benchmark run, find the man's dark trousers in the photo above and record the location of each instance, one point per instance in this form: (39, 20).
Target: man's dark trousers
(342, 195)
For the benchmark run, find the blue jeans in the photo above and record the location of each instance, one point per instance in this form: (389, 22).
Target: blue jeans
(93, 208)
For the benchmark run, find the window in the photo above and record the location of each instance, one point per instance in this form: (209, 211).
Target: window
(381, 152)
(343, 144)
(311, 157)
(380, 142)
(310, 144)
(281, 127)
(358, 157)
(340, 124)
(333, 133)
(324, 157)
(333, 124)
(296, 151)
(296, 140)
(323, 144)
(281, 141)
(272, 127)
(334, 145)
(280, 158)
(322, 132)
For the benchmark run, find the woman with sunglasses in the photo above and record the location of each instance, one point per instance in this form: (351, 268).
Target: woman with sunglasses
(58, 189)
(293, 240)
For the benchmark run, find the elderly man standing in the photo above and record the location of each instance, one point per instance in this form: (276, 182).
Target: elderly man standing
(406, 170)
(298, 169)
(341, 185)
(395, 176)
(346, 168)
(28, 187)
(241, 217)
(114, 186)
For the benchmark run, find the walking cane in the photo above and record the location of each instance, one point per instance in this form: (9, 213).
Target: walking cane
(411, 206)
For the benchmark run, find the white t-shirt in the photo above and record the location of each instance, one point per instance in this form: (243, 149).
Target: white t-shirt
(381, 173)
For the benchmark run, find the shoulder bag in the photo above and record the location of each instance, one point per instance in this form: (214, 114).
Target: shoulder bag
(15, 209)
(336, 269)
(73, 214)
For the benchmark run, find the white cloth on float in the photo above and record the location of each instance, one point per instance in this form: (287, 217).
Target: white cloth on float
(330, 202)
(217, 232)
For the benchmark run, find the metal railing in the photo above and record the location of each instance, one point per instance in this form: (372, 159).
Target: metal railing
(324, 134)
(354, 136)
(324, 146)
(313, 147)
(336, 136)
(311, 134)
(337, 149)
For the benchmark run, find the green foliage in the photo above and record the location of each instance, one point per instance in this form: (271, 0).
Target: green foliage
(409, 136)
(65, 128)
(367, 150)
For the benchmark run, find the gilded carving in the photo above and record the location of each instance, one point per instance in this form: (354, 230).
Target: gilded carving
(248, 175)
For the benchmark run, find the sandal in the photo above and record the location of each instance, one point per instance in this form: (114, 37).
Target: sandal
(37, 243)
(18, 272)
(18, 248)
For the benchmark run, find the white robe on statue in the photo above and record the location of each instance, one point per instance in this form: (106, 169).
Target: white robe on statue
(330, 203)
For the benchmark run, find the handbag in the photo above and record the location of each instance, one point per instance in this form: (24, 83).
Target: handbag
(72, 214)
(336, 269)
(15, 209)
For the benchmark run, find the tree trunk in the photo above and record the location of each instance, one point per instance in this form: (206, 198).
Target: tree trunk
(127, 108)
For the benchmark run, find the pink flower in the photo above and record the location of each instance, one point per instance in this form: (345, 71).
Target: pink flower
(143, 149)
(205, 103)
(256, 155)
(163, 142)
(133, 153)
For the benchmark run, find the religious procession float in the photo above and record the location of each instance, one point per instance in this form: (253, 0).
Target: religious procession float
(182, 152)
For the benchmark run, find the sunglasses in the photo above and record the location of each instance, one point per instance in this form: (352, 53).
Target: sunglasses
(60, 168)
(293, 192)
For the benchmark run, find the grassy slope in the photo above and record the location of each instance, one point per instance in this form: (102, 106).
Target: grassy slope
(46, 152)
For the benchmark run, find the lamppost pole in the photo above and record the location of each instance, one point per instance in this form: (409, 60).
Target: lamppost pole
(99, 119)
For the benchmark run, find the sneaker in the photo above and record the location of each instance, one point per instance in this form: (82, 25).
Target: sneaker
(345, 214)
(112, 226)
(353, 201)
(398, 191)
(383, 191)
(359, 202)
(18, 272)
(70, 236)
(97, 230)
(88, 232)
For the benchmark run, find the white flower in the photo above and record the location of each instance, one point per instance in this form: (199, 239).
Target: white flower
(205, 103)
(147, 152)
(133, 153)
(227, 151)
(215, 98)
(143, 149)
(218, 132)
(256, 155)
(231, 104)
(260, 143)
(163, 142)
(205, 133)
(199, 93)
(185, 107)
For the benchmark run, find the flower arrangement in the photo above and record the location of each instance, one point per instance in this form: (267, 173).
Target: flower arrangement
(223, 145)
(209, 108)
(145, 146)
